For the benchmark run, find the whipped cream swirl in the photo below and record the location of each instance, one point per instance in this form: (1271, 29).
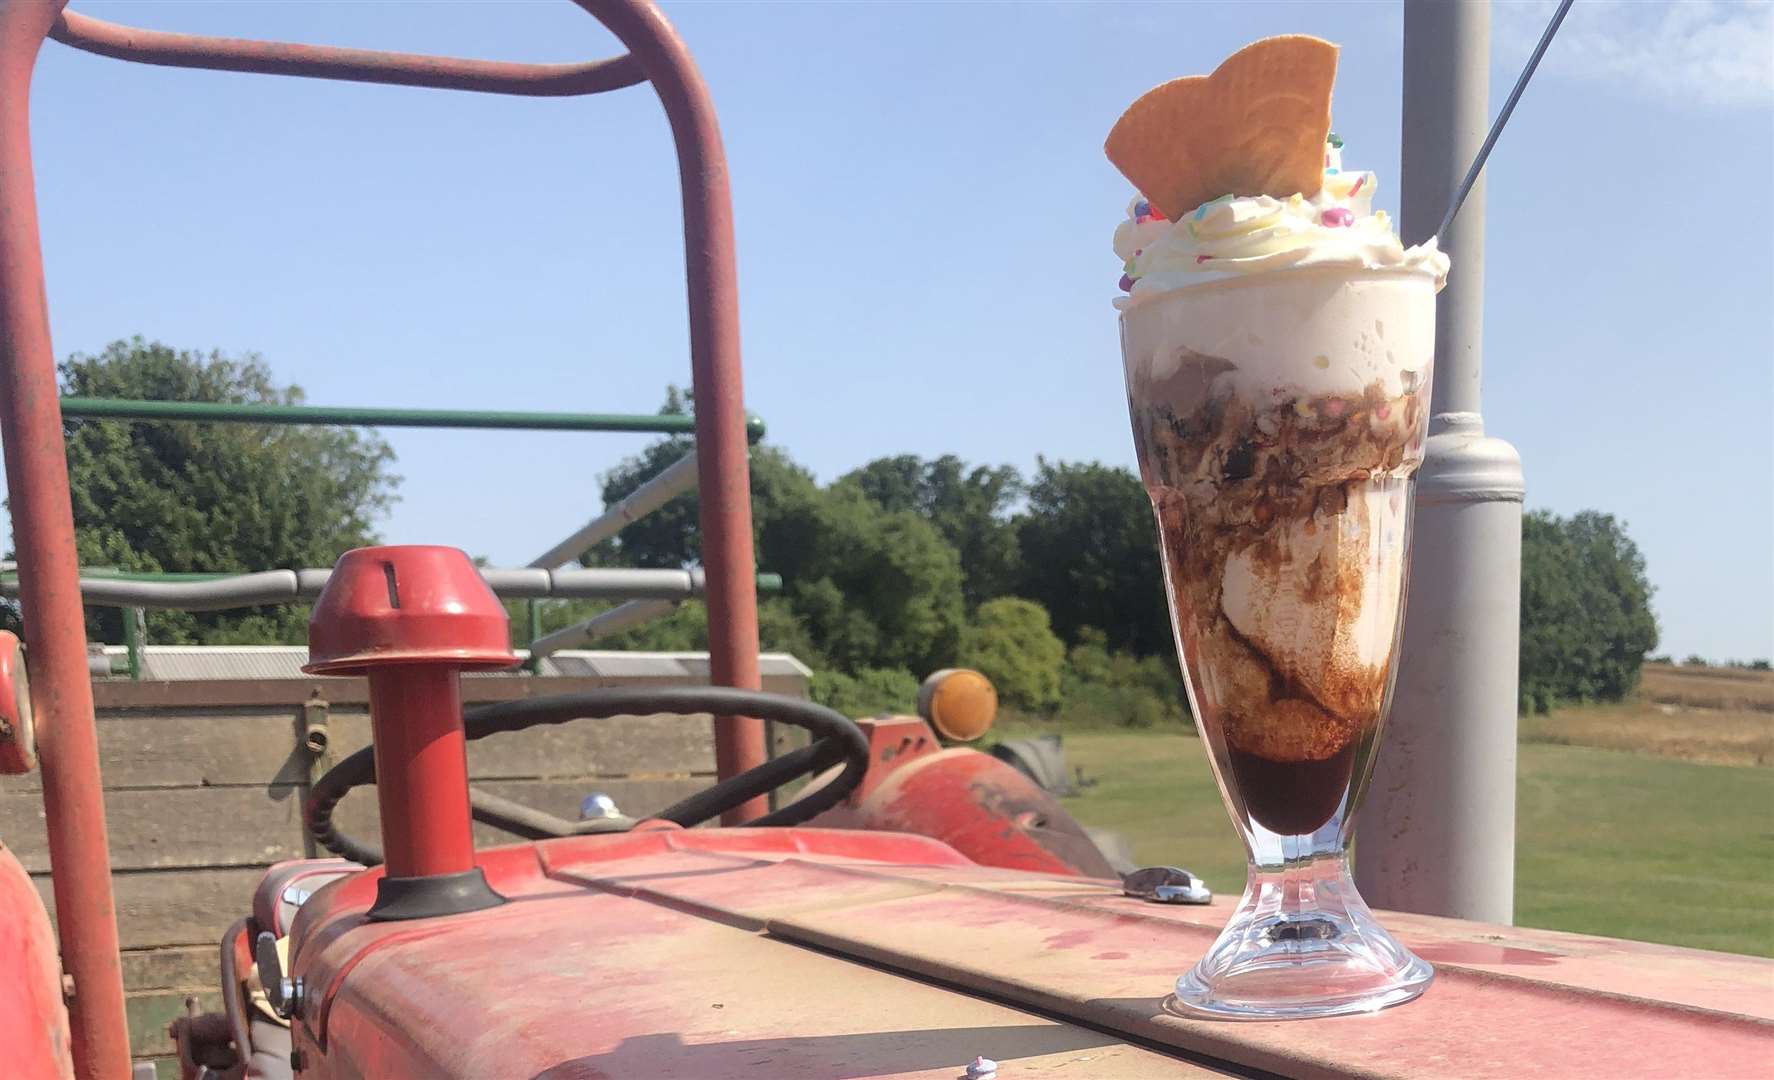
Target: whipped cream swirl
(1233, 235)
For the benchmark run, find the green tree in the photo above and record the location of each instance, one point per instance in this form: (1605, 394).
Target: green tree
(1090, 556)
(1011, 642)
(684, 629)
(1586, 621)
(876, 589)
(970, 507)
(863, 587)
(868, 692)
(671, 536)
(184, 496)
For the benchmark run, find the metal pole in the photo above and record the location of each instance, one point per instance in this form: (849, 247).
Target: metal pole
(135, 633)
(711, 277)
(621, 617)
(220, 592)
(674, 480)
(49, 593)
(533, 627)
(1437, 834)
(221, 412)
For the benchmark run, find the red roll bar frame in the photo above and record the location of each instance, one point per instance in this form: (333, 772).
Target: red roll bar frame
(36, 466)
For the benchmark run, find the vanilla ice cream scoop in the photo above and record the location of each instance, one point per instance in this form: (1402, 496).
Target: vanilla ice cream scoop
(1317, 599)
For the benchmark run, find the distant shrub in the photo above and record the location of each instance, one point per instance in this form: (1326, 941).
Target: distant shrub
(1011, 643)
(1104, 688)
(1759, 665)
(868, 692)
(1096, 705)
(1696, 660)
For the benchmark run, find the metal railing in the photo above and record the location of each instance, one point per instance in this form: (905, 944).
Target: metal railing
(648, 594)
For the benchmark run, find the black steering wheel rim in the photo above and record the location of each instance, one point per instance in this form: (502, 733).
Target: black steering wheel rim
(836, 739)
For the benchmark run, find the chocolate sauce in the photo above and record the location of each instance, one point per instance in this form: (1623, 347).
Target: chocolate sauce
(1292, 797)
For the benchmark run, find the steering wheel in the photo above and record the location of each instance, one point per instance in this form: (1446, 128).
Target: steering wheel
(836, 738)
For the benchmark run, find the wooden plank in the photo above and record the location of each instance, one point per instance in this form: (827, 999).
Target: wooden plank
(178, 967)
(219, 748)
(233, 693)
(174, 907)
(193, 748)
(195, 828)
(174, 827)
(357, 816)
(634, 746)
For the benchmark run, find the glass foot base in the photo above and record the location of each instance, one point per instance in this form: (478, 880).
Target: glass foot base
(1299, 947)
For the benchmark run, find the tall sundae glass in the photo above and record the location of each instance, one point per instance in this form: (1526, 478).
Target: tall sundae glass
(1278, 350)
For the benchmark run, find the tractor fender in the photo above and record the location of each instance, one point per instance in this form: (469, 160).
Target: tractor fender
(986, 810)
(33, 1017)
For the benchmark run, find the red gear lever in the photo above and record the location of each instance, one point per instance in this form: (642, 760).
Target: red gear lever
(412, 618)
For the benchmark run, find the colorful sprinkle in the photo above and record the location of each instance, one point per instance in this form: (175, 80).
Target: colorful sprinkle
(1201, 211)
(1142, 209)
(1126, 283)
(1330, 170)
(1359, 181)
(1321, 361)
(1338, 217)
(1302, 409)
(1335, 140)
(1382, 411)
(1199, 259)
(1127, 266)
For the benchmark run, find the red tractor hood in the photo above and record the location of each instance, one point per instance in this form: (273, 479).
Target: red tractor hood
(778, 953)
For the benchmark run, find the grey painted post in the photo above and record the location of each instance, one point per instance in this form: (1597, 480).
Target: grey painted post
(1437, 833)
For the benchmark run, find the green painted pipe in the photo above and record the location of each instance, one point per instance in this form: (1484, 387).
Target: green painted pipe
(236, 413)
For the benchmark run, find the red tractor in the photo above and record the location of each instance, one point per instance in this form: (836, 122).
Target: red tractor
(912, 911)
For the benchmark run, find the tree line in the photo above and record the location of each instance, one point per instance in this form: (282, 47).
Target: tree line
(1050, 583)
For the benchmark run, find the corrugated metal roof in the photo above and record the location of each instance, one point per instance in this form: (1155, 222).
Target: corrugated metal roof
(187, 663)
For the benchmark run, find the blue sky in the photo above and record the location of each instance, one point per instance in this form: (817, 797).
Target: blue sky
(924, 216)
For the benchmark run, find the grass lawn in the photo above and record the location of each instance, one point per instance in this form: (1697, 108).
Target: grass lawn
(1607, 842)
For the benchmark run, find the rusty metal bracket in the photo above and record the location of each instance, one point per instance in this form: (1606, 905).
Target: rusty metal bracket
(313, 736)
(313, 749)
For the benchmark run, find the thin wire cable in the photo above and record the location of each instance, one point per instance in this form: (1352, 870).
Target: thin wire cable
(1503, 118)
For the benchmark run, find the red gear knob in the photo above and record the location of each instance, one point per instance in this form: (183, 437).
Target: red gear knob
(404, 605)
(412, 618)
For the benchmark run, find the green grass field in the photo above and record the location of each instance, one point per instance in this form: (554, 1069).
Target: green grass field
(1607, 841)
